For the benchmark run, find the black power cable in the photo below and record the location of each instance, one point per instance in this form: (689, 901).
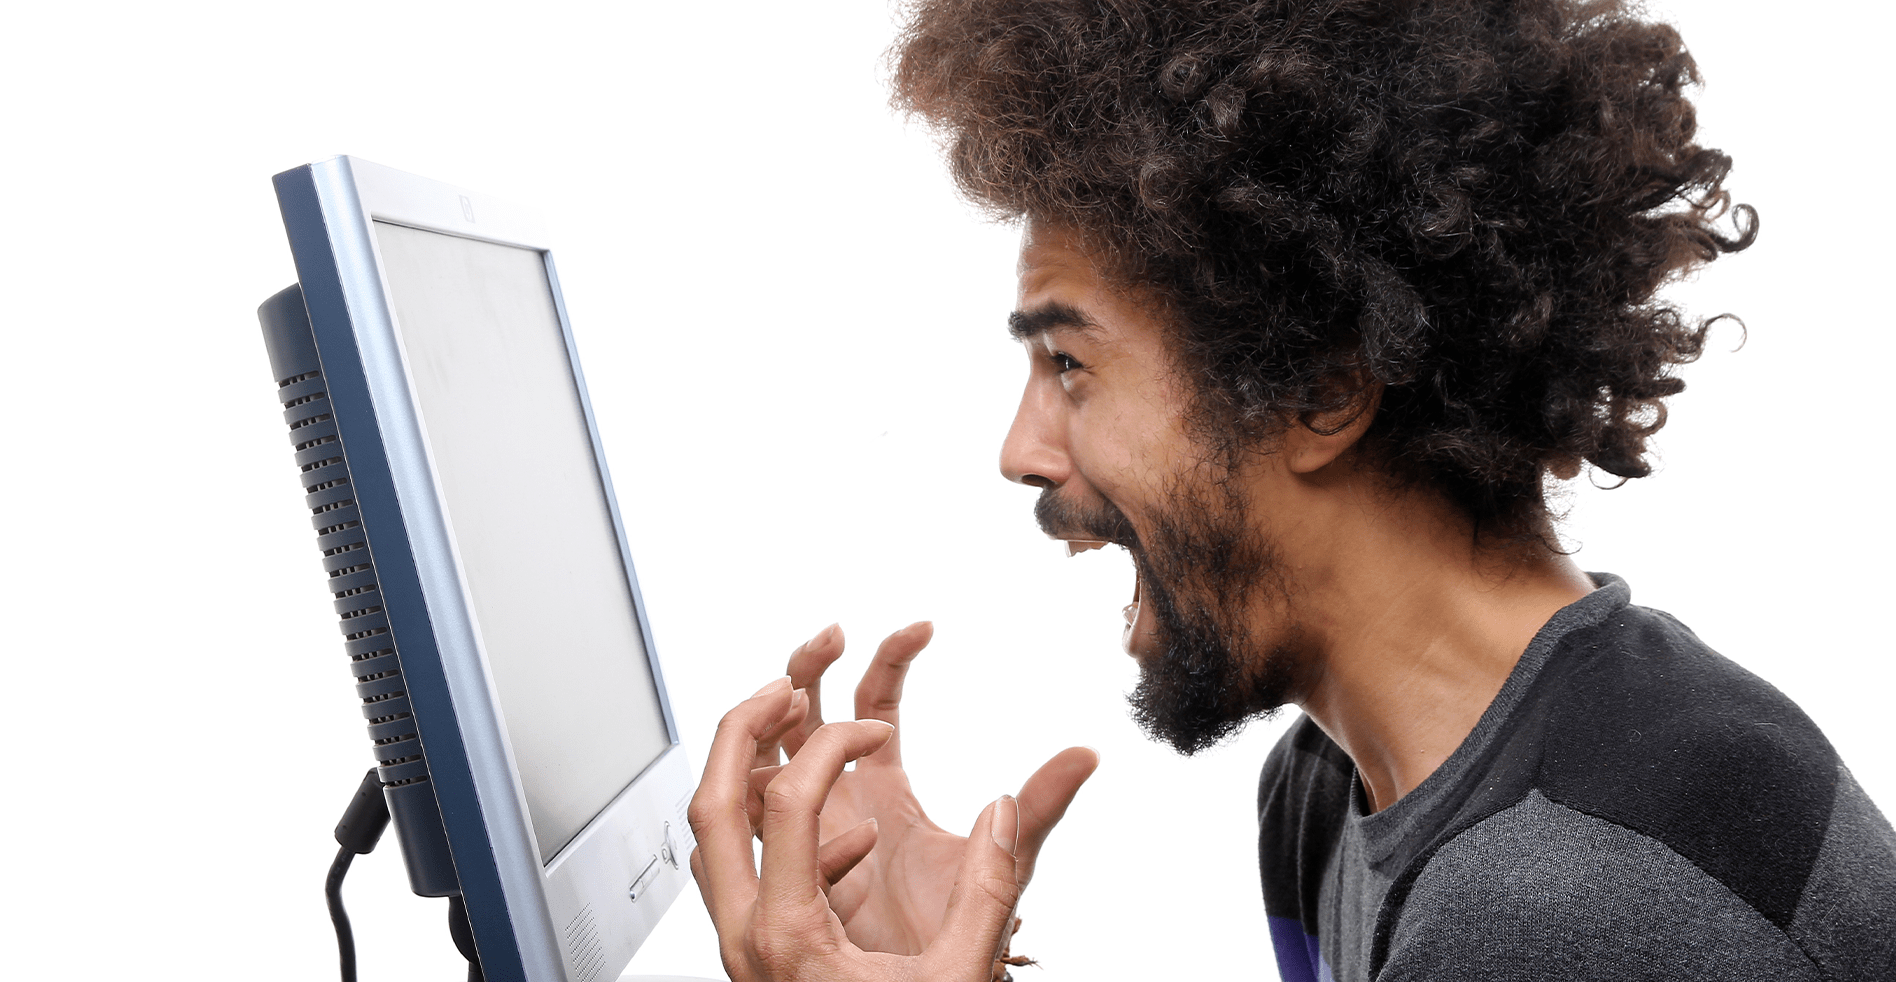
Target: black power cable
(361, 826)
(332, 891)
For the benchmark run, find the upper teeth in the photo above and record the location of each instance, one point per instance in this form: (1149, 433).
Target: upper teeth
(1077, 546)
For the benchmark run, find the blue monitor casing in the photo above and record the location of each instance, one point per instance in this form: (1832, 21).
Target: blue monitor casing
(479, 566)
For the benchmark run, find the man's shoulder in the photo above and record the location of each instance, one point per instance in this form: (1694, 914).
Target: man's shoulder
(1637, 722)
(1651, 795)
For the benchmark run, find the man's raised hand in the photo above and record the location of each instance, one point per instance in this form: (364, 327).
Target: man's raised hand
(856, 881)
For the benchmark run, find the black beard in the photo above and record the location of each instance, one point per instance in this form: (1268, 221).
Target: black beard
(1199, 569)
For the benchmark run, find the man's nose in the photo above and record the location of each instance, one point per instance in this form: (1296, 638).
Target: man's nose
(1035, 449)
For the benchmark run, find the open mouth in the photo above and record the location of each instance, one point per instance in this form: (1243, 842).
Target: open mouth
(1131, 611)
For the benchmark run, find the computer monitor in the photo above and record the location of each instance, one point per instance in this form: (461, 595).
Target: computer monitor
(478, 562)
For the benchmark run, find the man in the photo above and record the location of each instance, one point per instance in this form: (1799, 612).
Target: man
(1317, 298)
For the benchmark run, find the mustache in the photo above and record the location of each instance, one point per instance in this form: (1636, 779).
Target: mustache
(1063, 519)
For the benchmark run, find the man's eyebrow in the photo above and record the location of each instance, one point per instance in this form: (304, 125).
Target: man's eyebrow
(1026, 324)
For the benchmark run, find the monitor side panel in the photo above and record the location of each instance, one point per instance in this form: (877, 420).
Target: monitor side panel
(336, 518)
(335, 263)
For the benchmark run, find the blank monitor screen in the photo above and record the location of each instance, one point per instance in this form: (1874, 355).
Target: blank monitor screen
(514, 458)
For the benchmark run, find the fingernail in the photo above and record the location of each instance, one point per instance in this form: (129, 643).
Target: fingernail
(1006, 825)
(774, 683)
(822, 637)
(882, 722)
(799, 697)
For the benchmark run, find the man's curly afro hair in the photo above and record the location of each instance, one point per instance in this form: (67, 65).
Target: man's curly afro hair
(1472, 202)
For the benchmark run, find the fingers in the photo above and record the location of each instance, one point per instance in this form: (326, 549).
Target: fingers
(879, 694)
(981, 905)
(792, 801)
(718, 815)
(768, 745)
(840, 855)
(1044, 799)
(760, 778)
(807, 665)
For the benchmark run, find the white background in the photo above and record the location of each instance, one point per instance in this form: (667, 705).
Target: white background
(794, 337)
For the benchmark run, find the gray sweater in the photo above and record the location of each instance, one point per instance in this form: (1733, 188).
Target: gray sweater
(1631, 806)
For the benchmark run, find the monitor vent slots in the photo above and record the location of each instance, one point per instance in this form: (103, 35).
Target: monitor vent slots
(352, 584)
(584, 952)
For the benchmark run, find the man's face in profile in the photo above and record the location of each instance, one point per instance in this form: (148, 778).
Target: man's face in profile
(1102, 430)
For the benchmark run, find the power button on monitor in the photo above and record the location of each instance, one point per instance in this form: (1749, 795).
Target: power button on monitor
(669, 850)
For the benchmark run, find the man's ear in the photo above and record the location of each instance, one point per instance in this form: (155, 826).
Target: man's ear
(1314, 440)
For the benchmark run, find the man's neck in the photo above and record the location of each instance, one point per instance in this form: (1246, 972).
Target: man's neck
(1415, 628)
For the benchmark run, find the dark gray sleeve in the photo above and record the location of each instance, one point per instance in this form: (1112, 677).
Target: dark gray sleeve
(1846, 918)
(1540, 891)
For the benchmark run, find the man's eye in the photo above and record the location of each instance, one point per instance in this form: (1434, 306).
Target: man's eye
(1064, 362)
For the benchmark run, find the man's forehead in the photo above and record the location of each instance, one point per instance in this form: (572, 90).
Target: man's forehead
(1048, 250)
(1060, 289)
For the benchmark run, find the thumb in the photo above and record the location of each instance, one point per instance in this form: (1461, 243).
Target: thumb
(981, 905)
